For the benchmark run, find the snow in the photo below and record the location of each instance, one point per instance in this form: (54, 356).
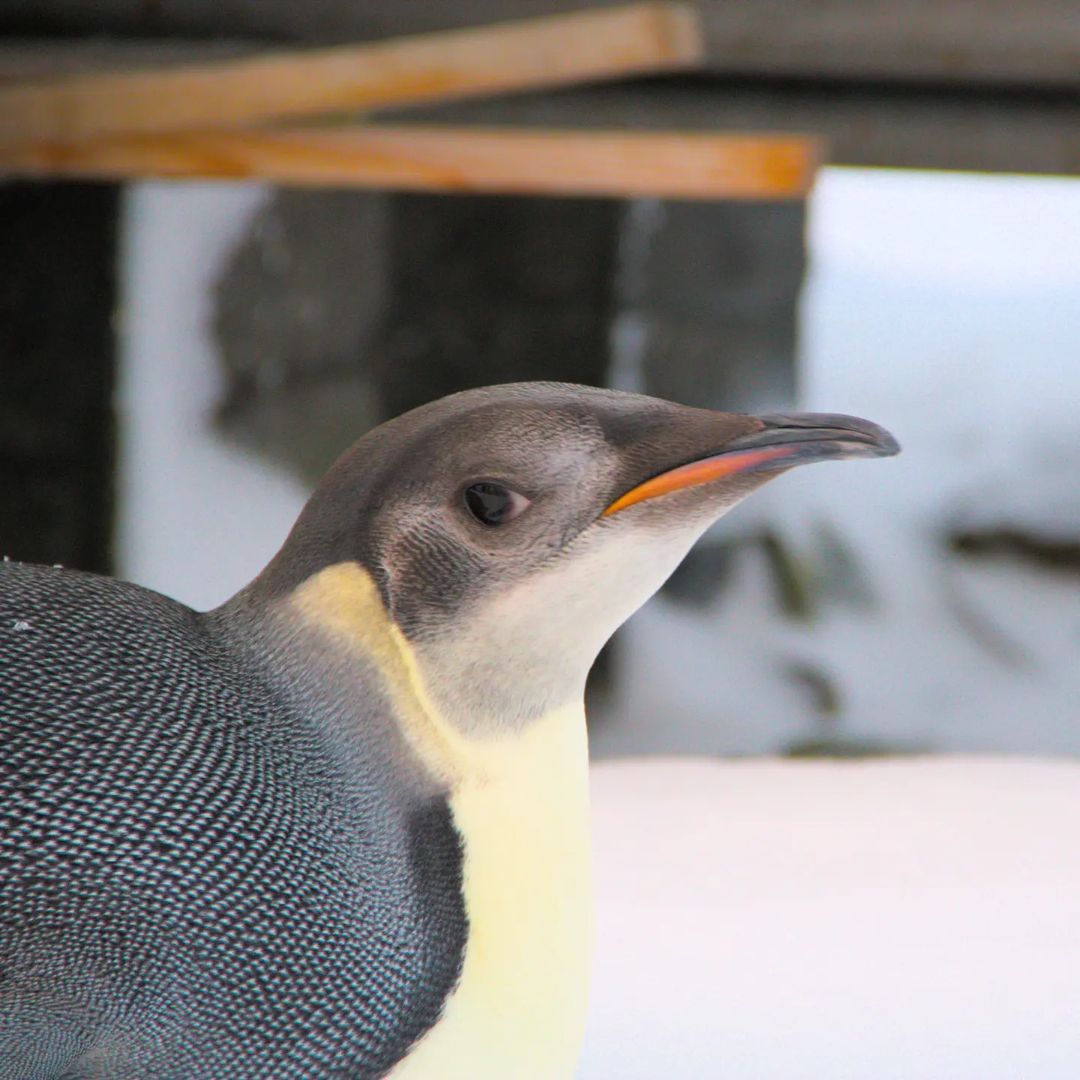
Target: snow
(900, 919)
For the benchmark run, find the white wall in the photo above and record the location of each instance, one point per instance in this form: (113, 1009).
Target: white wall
(198, 518)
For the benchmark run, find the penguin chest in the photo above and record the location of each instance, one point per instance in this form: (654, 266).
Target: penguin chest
(518, 1009)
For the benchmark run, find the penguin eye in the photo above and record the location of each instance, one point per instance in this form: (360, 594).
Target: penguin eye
(493, 504)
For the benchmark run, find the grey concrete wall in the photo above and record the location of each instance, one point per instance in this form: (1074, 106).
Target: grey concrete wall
(297, 316)
(489, 289)
(718, 309)
(339, 310)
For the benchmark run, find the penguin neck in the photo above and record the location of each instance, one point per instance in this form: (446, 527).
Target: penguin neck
(519, 801)
(343, 604)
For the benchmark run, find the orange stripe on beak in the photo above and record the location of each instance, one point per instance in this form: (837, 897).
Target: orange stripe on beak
(698, 472)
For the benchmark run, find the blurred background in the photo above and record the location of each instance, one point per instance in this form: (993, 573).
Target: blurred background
(182, 358)
(216, 274)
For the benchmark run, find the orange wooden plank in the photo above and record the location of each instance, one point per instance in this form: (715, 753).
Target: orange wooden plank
(447, 159)
(555, 50)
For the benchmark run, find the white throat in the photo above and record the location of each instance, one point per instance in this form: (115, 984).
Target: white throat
(527, 650)
(519, 800)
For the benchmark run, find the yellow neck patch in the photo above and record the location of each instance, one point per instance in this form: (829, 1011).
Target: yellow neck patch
(520, 803)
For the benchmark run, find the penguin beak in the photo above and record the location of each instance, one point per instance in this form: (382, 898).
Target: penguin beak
(782, 441)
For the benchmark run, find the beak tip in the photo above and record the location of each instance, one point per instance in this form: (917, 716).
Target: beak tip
(851, 435)
(876, 441)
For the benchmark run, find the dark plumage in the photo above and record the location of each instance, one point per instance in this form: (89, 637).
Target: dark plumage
(198, 878)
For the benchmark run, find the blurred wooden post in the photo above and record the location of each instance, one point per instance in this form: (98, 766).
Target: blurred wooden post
(557, 50)
(681, 165)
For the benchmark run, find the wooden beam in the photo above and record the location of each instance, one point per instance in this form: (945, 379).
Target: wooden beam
(233, 93)
(973, 43)
(446, 159)
(883, 126)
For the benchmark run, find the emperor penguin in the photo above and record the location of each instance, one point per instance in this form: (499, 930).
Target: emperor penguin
(338, 827)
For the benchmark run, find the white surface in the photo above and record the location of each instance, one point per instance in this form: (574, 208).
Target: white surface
(970, 231)
(895, 920)
(197, 518)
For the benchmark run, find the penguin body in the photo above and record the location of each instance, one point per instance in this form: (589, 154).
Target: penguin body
(338, 826)
(197, 877)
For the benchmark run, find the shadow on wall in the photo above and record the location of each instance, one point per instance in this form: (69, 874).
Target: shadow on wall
(355, 308)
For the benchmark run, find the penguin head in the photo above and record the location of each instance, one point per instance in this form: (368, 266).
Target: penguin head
(510, 530)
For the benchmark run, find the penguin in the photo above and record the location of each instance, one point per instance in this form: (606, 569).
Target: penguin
(338, 826)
